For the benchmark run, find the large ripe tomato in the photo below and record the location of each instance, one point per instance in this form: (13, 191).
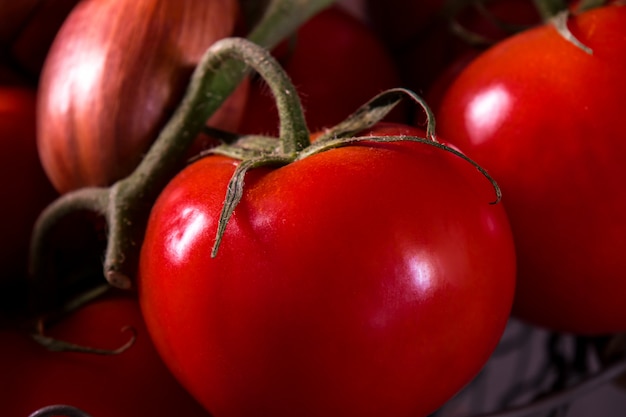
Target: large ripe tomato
(336, 62)
(133, 383)
(546, 119)
(26, 188)
(368, 280)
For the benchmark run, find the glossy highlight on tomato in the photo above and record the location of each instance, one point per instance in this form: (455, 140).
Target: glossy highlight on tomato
(366, 280)
(545, 118)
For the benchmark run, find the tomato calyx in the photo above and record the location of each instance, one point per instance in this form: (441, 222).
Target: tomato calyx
(257, 151)
(126, 204)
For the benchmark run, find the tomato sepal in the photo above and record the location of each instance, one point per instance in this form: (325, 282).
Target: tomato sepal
(258, 151)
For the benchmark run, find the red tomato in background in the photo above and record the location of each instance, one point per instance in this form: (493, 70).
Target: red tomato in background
(337, 64)
(368, 280)
(546, 119)
(26, 188)
(133, 383)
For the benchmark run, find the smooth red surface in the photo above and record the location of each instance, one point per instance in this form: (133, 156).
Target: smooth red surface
(369, 280)
(546, 119)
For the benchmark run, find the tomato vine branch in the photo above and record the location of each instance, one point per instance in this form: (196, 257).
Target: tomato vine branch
(374, 111)
(127, 203)
(342, 134)
(133, 196)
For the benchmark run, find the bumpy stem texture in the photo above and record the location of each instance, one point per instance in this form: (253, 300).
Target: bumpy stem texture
(132, 197)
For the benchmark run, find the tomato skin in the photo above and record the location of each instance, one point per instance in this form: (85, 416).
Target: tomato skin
(336, 63)
(133, 383)
(344, 285)
(545, 119)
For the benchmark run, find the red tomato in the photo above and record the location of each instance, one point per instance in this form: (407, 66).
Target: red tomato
(133, 383)
(336, 63)
(546, 120)
(25, 186)
(368, 280)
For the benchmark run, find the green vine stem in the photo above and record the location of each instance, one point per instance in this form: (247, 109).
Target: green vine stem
(127, 203)
(374, 111)
(343, 134)
(133, 191)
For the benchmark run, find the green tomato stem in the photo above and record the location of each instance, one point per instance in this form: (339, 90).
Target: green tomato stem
(342, 134)
(132, 197)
